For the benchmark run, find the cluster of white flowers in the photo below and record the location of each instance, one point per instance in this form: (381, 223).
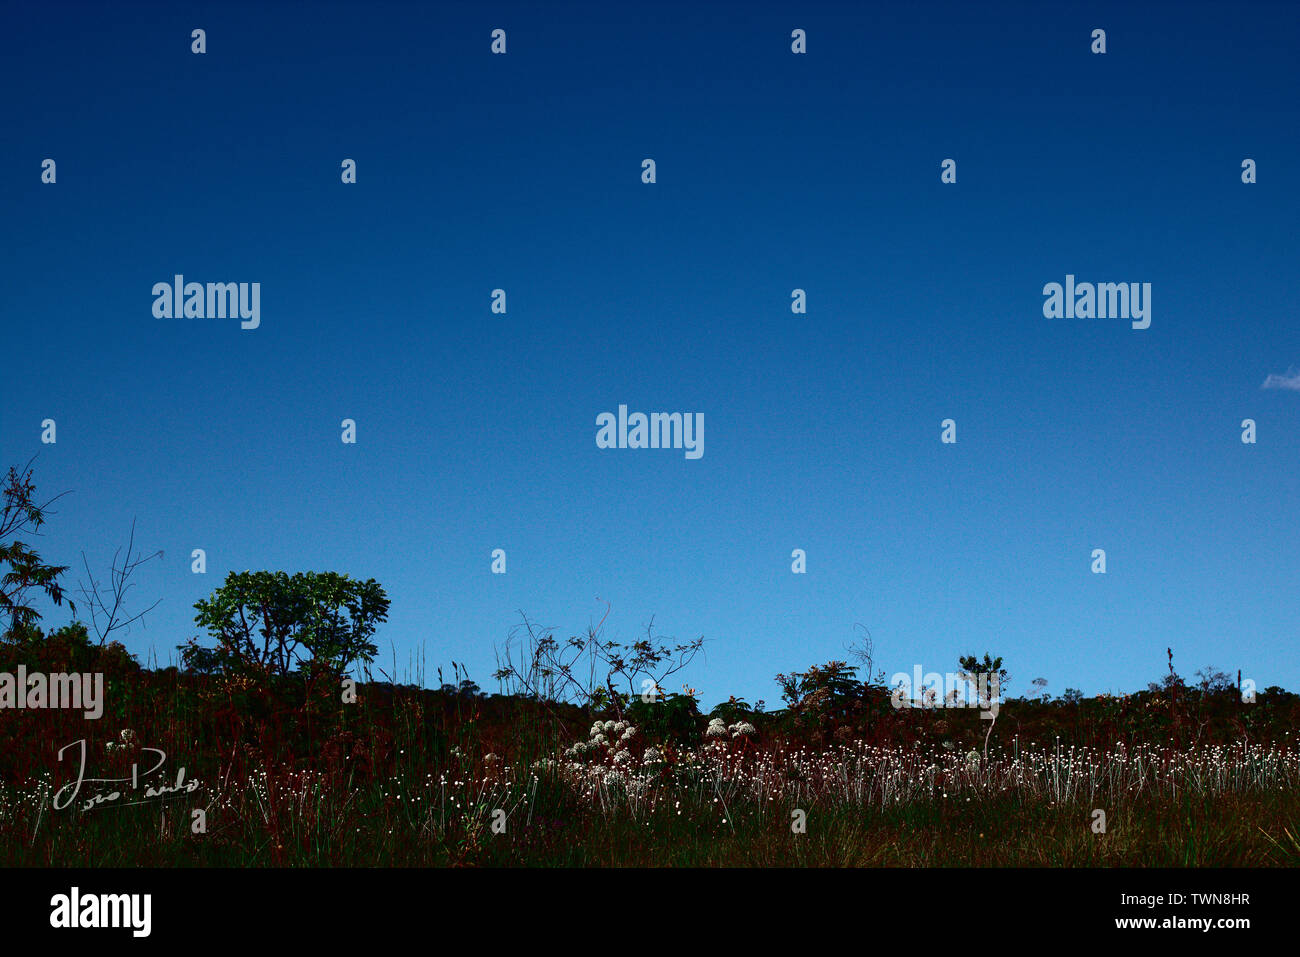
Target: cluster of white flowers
(601, 735)
(544, 765)
(720, 729)
(652, 756)
(128, 741)
(973, 760)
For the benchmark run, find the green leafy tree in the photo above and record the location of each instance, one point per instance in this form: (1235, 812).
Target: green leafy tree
(823, 696)
(971, 670)
(269, 623)
(734, 709)
(835, 681)
(22, 514)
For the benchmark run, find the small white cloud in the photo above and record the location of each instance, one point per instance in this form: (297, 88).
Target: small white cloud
(1290, 380)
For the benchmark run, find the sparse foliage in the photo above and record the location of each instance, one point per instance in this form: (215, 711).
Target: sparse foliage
(107, 603)
(588, 670)
(21, 514)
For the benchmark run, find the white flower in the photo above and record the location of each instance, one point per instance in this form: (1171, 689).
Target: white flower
(609, 727)
(741, 727)
(652, 756)
(615, 779)
(717, 728)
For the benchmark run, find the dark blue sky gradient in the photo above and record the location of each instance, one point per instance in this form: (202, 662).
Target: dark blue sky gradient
(775, 171)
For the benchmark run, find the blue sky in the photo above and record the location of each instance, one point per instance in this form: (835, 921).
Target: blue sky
(775, 171)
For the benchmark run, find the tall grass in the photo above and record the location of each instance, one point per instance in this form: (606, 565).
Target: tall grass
(406, 776)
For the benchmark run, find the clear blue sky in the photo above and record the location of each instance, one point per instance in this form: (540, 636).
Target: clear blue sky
(775, 171)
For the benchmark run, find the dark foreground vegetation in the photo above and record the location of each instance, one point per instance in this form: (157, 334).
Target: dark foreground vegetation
(260, 750)
(291, 773)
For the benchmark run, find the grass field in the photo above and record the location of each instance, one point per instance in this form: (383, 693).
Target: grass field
(291, 775)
